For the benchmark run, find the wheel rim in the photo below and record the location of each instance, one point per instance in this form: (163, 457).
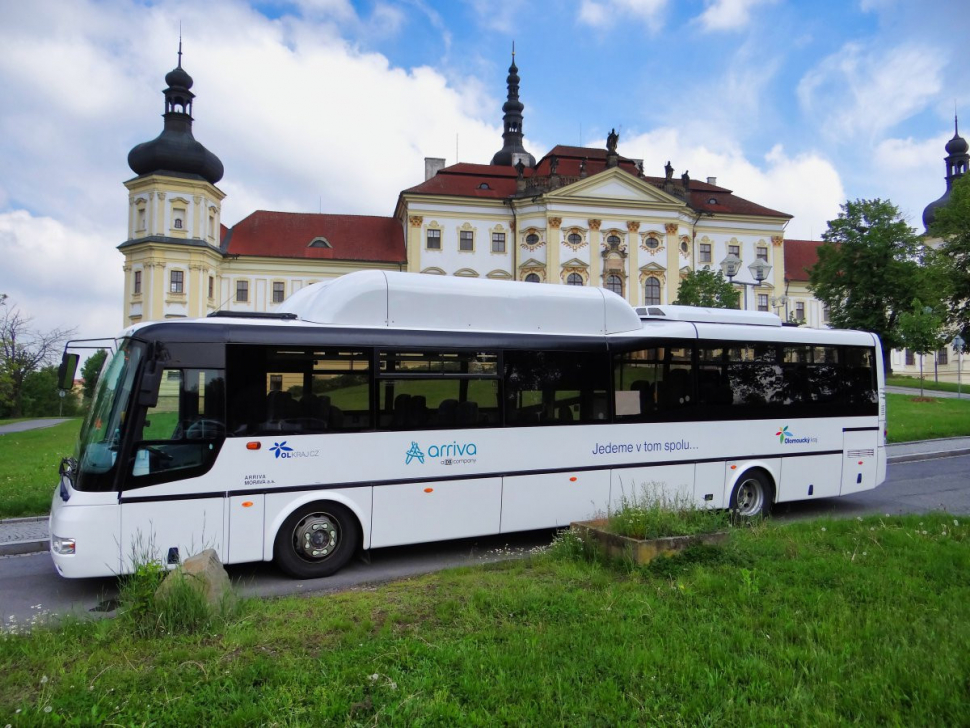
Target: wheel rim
(751, 497)
(316, 537)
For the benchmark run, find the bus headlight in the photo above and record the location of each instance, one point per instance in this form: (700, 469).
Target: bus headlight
(62, 546)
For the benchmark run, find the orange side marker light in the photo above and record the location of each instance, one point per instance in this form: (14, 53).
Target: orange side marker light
(252, 446)
(734, 467)
(429, 490)
(572, 479)
(247, 504)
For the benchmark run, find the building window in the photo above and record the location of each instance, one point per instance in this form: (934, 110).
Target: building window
(800, 311)
(498, 242)
(614, 283)
(683, 247)
(910, 358)
(141, 219)
(212, 287)
(941, 357)
(176, 281)
(734, 250)
(242, 291)
(531, 239)
(576, 239)
(212, 225)
(533, 278)
(651, 292)
(574, 279)
(613, 240)
(705, 252)
(178, 223)
(652, 243)
(466, 240)
(434, 239)
(136, 286)
(279, 291)
(763, 253)
(762, 301)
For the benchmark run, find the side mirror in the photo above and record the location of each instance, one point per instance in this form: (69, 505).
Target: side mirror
(151, 378)
(67, 370)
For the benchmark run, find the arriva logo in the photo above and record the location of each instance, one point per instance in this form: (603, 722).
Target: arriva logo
(453, 453)
(787, 437)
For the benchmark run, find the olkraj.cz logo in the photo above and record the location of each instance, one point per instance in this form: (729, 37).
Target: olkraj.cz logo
(453, 453)
(282, 450)
(787, 437)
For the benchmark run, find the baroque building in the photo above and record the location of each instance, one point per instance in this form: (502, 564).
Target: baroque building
(577, 216)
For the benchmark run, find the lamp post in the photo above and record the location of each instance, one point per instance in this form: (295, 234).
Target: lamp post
(958, 343)
(731, 265)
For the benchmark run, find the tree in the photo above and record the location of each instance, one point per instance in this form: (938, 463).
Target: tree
(952, 223)
(708, 289)
(22, 351)
(41, 396)
(869, 267)
(922, 331)
(91, 370)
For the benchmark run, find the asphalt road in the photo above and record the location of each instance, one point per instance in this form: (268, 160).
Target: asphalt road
(30, 587)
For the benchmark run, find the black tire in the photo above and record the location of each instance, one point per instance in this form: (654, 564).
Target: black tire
(316, 540)
(752, 496)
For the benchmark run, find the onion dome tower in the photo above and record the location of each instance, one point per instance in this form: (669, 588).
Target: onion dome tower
(512, 151)
(957, 160)
(173, 255)
(175, 150)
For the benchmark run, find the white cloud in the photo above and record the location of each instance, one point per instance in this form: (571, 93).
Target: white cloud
(729, 14)
(606, 13)
(805, 185)
(61, 276)
(866, 90)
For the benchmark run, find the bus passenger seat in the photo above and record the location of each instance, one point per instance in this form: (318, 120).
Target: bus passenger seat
(447, 413)
(400, 416)
(467, 415)
(417, 411)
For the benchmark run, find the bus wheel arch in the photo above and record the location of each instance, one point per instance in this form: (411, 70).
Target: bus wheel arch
(316, 540)
(753, 494)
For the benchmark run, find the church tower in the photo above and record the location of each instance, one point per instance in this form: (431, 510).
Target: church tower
(172, 253)
(512, 151)
(957, 159)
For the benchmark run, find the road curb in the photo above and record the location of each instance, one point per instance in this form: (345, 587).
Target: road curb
(16, 548)
(912, 457)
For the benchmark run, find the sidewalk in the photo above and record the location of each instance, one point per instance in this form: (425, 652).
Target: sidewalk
(28, 535)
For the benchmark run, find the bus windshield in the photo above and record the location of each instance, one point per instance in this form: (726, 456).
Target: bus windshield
(101, 433)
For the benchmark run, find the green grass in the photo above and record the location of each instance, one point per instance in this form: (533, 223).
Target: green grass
(909, 419)
(813, 623)
(653, 513)
(928, 383)
(28, 467)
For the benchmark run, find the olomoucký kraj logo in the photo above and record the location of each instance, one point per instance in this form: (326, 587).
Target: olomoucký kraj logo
(280, 449)
(783, 433)
(787, 437)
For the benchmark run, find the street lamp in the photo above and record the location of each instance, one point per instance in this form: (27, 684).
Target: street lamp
(958, 343)
(731, 266)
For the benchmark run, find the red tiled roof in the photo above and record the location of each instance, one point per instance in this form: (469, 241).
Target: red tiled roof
(498, 181)
(800, 256)
(289, 234)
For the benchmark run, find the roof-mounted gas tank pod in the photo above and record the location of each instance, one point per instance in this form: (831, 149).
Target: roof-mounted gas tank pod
(422, 301)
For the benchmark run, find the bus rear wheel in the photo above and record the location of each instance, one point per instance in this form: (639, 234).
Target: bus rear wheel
(752, 495)
(316, 540)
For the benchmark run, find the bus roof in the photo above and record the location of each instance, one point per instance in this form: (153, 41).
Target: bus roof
(449, 303)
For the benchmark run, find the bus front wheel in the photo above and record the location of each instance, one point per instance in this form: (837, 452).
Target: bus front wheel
(316, 540)
(752, 495)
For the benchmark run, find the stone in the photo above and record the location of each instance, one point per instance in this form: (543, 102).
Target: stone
(205, 573)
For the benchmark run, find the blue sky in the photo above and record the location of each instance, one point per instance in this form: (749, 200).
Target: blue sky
(333, 104)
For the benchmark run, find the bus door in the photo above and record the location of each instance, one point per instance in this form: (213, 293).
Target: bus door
(169, 509)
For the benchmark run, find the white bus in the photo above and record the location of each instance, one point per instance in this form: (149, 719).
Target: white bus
(382, 409)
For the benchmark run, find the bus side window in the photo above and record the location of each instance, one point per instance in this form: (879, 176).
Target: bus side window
(556, 387)
(183, 432)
